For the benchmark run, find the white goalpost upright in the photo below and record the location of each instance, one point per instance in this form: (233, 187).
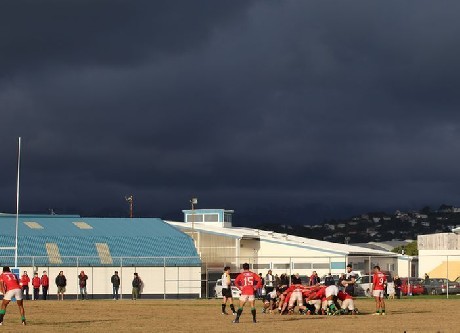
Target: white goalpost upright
(15, 247)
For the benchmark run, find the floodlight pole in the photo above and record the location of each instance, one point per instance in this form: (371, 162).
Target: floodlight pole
(194, 201)
(17, 206)
(130, 200)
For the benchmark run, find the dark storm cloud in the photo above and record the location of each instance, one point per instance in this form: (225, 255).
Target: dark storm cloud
(245, 104)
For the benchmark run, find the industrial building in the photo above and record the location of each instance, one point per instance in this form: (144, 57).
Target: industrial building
(220, 244)
(439, 255)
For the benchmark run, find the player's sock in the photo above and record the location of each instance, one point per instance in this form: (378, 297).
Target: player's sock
(253, 311)
(238, 313)
(232, 308)
(2, 314)
(383, 310)
(223, 308)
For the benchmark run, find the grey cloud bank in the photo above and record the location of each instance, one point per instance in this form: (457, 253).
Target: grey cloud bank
(263, 107)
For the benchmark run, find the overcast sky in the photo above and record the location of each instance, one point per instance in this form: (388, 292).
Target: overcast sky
(272, 108)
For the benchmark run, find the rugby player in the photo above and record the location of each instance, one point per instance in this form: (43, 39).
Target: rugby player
(270, 300)
(227, 291)
(348, 305)
(379, 282)
(9, 286)
(248, 282)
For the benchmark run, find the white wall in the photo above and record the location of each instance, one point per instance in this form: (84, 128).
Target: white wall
(429, 260)
(179, 280)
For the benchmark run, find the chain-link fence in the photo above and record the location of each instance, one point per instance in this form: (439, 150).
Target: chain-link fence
(193, 277)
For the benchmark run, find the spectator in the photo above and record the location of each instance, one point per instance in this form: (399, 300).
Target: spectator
(397, 283)
(329, 280)
(45, 282)
(61, 283)
(25, 285)
(339, 283)
(269, 284)
(284, 282)
(137, 283)
(295, 279)
(115, 279)
(277, 281)
(36, 286)
(82, 278)
(259, 290)
(314, 279)
(427, 277)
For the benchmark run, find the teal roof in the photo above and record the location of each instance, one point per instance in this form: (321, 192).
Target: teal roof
(135, 240)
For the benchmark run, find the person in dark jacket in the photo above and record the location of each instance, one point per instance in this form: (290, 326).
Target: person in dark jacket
(329, 280)
(397, 283)
(137, 284)
(61, 283)
(115, 279)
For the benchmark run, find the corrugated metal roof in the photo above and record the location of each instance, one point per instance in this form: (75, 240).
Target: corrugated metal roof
(264, 235)
(124, 237)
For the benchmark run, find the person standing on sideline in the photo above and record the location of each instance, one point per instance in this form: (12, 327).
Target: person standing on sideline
(115, 279)
(350, 280)
(269, 284)
(248, 282)
(36, 286)
(379, 281)
(61, 283)
(314, 279)
(25, 284)
(82, 278)
(227, 291)
(45, 282)
(137, 283)
(329, 280)
(397, 282)
(9, 286)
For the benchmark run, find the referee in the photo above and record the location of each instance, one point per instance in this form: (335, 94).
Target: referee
(227, 291)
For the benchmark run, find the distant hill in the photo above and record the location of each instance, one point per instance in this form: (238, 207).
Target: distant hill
(376, 226)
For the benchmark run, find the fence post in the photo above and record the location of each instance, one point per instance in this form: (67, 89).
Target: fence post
(121, 278)
(78, 284)
(447, 282)
(164, 277)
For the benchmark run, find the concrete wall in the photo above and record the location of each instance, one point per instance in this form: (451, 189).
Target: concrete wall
(175, 282)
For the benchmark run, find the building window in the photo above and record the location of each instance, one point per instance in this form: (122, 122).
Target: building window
(194, 218)
(280, 266)
(211, 217)
(321, 266)
(301, 265)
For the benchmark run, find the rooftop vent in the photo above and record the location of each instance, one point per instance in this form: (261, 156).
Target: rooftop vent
(53, 253)
(104, 253)
(33, 225)
(82, 225)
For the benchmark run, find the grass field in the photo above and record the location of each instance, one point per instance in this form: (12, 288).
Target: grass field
(415, 314)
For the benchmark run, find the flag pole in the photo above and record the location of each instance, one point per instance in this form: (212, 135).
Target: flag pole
(17, 206)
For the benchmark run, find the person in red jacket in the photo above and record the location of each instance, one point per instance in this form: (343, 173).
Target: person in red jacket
(45, 282)
(248, 282)
(36, 285)
(25, 284)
